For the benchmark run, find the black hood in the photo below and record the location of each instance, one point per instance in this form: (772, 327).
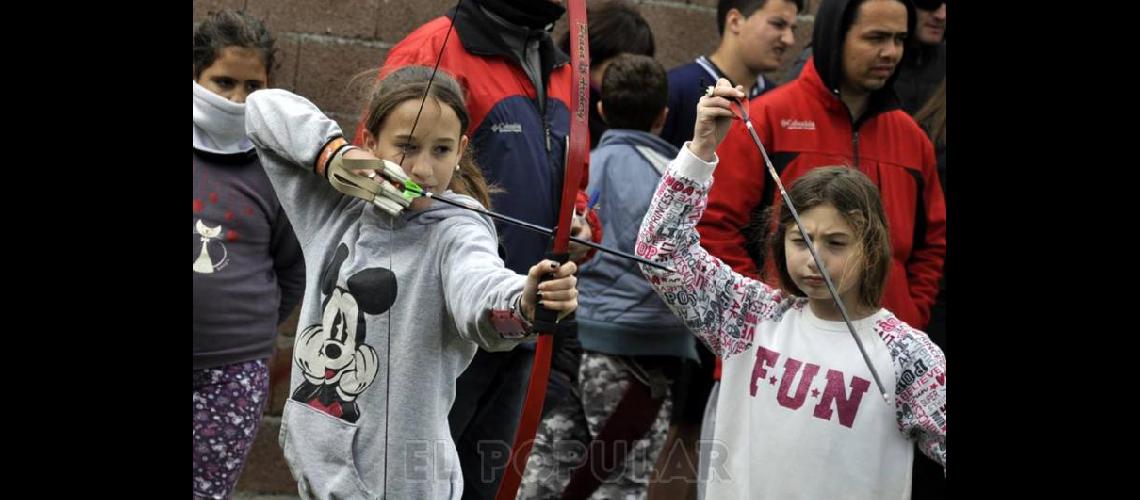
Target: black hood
(831, 24)
(480, 36)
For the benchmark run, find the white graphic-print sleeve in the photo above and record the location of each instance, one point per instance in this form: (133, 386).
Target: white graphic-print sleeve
(718, 305)
(920, 390)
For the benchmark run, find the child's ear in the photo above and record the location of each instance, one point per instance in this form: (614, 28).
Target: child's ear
(602, 112)
(462, 146)
(659, 122)
(734, 21)
(369, 142)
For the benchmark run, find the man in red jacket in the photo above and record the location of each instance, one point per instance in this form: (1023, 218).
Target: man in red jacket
(842, 110)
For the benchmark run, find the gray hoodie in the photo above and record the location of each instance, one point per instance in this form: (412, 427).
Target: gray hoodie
(393, 311)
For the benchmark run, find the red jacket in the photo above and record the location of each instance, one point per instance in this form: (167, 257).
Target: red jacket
(804, 126)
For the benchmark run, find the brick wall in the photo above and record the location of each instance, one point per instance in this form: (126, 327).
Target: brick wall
(326, 45)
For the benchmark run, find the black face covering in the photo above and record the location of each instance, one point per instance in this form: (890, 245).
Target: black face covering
(928, 4)
(534, 14)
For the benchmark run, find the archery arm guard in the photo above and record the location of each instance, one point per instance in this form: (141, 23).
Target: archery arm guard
(382, 192)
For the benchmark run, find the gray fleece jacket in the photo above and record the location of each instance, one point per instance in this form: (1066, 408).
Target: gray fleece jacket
(393, 311)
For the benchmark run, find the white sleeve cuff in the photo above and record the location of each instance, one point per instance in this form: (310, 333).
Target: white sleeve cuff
(689, 166)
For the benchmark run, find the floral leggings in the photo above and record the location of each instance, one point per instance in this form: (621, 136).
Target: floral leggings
(228, 401)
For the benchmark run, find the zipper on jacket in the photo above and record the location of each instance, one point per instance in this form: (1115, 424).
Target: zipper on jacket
(855, 124)
(546, 129)
(545, 123)
(550, 161)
